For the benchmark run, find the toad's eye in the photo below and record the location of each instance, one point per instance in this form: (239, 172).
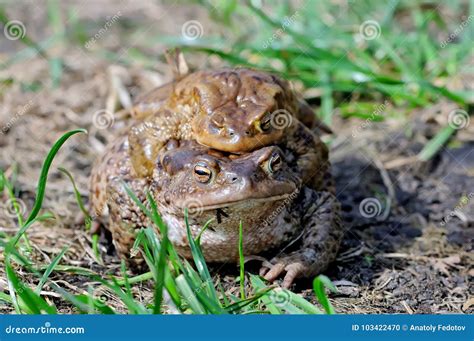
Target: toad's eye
(202, 172)
(265, 123)
(274, 163)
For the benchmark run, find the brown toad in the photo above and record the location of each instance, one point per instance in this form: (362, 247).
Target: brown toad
(262, 189)
(234, 110)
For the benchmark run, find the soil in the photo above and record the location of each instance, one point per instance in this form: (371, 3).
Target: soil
(409, 240)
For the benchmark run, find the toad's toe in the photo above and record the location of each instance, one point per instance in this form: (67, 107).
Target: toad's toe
(275, 271)
(293, 271)
(291, 266)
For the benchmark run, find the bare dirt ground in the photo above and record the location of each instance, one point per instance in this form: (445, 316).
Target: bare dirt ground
(409, 237)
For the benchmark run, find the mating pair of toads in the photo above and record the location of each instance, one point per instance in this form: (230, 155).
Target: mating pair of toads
(231, 145)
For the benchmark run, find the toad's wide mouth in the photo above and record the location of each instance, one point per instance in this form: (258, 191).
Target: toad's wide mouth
(196, 205)
(239, 143)
(247, 201)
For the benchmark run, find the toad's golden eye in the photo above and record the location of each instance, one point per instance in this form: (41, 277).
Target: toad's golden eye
(265, 123)
(202, 172)
(274, 163)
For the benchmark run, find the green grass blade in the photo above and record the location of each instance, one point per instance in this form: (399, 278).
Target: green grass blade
(135, 279)
(242, 262)
(40, 190)
(88, 218)
(49, 270)
(280, 301)
(6, 184)
(161, 263)
(258, 284)
(96, 304)
(319, 284)
(200, 262)
(436, 143)
(137, 201)
(132, 305)
(22, 230)
(77, 194)
(126, 283)
(189, 295)
(239, 305)
(35, 303)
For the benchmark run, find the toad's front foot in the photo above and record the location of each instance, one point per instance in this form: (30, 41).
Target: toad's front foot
(292, 266)
(320, 240)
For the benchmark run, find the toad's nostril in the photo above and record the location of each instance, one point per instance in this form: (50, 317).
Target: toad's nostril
(247, 132)
(232, 178)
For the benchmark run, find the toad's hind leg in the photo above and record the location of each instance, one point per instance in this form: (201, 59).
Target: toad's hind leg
(320, 239)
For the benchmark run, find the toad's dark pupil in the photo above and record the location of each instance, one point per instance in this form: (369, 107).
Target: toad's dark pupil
(201, 172)
(265, 124)
(274, 163)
